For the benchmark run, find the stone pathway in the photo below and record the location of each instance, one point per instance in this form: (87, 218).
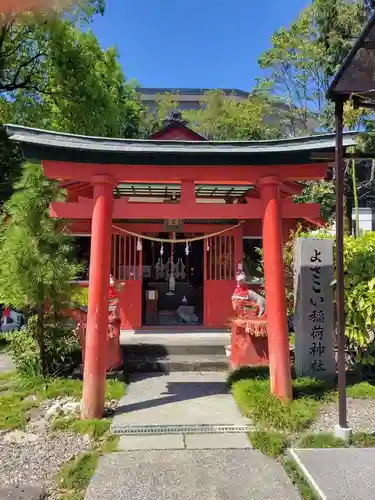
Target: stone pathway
(338, 474)
(6, 363)
(183, 437)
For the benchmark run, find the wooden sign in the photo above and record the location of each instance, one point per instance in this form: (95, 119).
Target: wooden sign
(176, 225)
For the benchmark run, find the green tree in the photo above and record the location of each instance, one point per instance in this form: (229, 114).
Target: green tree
(225, 118)
(35, 258)
(152, 121)
(319, 192)
(222, 117)
(304, 57)
(54, 75)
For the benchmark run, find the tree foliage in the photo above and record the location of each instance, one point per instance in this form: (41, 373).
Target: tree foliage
(319, 192)
(35, 258)
(56, 75)
(222, 117)
(304, 57)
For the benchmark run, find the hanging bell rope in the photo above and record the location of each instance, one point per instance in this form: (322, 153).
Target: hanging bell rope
(174, 240)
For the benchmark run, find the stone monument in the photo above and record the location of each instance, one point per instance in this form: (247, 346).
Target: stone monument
(314, 318)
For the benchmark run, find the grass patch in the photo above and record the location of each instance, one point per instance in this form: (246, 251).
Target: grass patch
(75, 476)
(270, 443)
(110, 445)
(255, 400)
(14, 390)
(306, 492)
(362, 390)
(321, 440)
(363, 440)
(115, 389)
(94, 428)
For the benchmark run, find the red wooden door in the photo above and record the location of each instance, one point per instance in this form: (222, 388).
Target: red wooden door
(127, 268)
(222, 255)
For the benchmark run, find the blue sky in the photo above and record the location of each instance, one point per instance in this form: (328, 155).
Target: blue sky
(195, 43)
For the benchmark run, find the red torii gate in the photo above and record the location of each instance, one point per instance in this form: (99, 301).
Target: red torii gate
(71, 158)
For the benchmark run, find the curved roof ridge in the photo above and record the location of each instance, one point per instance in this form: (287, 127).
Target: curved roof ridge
(20, 129)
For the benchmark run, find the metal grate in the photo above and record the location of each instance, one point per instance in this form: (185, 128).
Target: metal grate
(123, 429)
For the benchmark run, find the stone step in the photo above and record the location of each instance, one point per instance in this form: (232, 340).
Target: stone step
(161, 350)
(176, 362)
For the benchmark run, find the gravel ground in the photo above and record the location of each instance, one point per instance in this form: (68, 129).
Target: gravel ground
(37, 462)
(361, 416)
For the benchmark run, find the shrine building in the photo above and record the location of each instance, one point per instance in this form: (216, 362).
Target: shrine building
(171, 216)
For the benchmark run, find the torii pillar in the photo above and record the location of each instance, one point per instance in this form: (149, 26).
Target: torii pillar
(278, 339)
(97, 317)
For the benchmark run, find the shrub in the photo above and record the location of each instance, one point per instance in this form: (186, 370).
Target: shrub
(80, 296)
(61, 348)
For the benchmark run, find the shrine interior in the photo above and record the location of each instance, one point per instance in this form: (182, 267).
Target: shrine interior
(178, 300)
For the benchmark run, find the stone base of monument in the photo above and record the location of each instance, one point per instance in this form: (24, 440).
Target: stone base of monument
(247, 349)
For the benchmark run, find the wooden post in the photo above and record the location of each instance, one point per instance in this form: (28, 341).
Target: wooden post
(278, 340)
(340, 278)
(97, 317)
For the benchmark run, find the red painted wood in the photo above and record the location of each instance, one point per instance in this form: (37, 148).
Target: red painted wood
(220, 261)
(97, 315)
(175, 133)
(253, 210)
(127, 268)
(197, 173)
(248, 350)
(278, 341)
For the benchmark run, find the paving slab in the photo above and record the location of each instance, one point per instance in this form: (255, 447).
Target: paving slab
(178, 402)
(190, 475)
(339, 474)
(6, 363)
(216, 441)
(153, 442)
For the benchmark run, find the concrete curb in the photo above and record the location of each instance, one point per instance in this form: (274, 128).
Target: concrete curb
(293, 453)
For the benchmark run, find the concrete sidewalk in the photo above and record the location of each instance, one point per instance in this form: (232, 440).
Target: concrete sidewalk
(182, 437)
(338, 473)
(6, 363)
(179, 403)
(190, 475)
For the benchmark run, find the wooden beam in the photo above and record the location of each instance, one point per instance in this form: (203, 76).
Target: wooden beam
(150, 211)
(199, 174)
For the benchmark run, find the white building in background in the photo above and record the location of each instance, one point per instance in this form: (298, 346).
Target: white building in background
(366, 219)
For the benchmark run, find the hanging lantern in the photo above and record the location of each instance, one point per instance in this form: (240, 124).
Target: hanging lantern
(139, 245)
(208, 246)
(187, 249)
(161, 249)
